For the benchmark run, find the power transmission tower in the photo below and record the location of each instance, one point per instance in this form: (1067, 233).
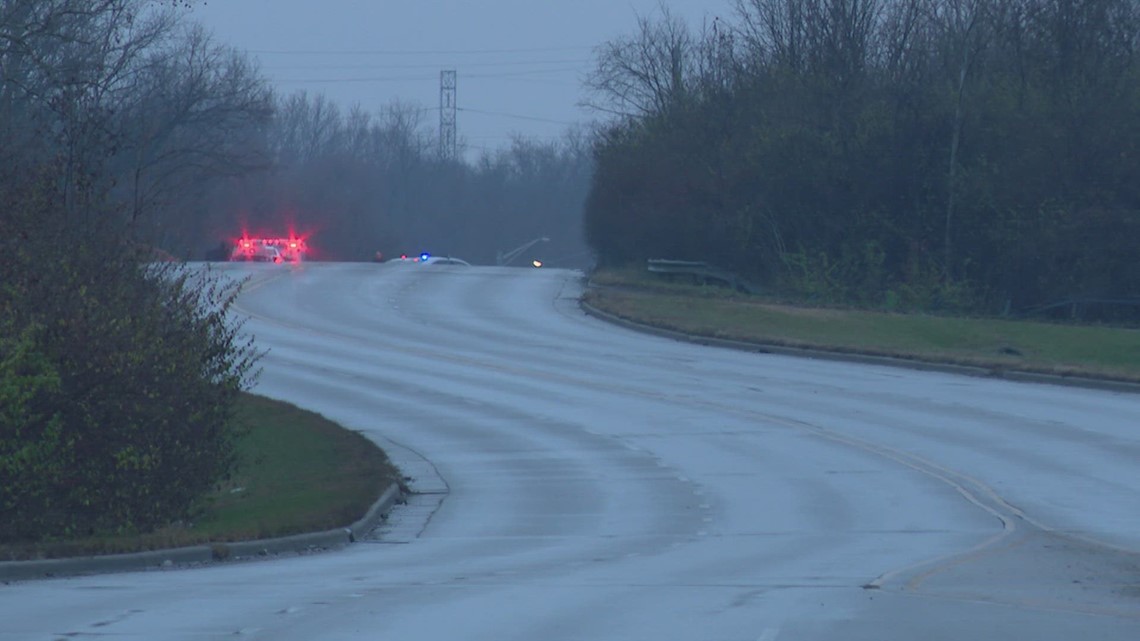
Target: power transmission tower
(447, 109)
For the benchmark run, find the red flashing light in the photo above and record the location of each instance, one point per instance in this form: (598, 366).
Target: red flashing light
(293, 248)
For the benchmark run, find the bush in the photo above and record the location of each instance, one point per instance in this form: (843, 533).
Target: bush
(33, 454)
(857, 276)
(117, 377)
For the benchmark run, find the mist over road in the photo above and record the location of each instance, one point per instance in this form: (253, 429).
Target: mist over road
(583, 481)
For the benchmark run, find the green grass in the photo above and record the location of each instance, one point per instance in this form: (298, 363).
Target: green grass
(297, 472)
(1101, 352)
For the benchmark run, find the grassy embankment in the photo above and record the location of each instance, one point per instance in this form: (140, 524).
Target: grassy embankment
(1050, 348)
(297, 472)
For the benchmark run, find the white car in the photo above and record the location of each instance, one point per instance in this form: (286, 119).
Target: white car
(258, 252)
(444, 260)
(428, 259)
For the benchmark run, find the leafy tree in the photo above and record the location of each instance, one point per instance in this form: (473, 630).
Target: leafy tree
(118, 374)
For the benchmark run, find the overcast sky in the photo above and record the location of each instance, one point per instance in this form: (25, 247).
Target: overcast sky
(519, 63)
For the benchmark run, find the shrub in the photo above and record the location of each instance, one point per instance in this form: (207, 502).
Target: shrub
(34, 456)
(118, 378)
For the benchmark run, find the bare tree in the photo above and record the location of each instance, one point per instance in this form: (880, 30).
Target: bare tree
(965, 29)
(358, 133)
(836, 36)
(646, 73)
(64, 64)
(721, 62)
(307, 127)
(905, 40)
(197, 112)
(774, 31)
(841, 35)
(401, 137)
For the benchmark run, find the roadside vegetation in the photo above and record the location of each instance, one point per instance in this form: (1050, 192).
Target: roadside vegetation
(1002, 344)
(855, 158)
(294, 471)
(119, 373)
(954, 156)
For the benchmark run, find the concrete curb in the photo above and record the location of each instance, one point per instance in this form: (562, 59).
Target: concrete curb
(206, 553)
(868, 359)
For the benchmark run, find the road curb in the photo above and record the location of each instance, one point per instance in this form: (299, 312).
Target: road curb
(205, 553)
(868, 359)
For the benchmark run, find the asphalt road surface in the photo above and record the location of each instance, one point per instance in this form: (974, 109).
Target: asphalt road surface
(581, 481)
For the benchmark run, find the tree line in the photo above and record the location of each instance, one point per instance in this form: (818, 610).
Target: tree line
(360, 182)
(978, 155)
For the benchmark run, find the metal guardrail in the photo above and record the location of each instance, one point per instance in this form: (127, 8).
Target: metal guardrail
(1088, 308)
(700, 272)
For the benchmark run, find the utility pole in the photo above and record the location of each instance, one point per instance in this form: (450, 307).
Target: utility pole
(447, 109)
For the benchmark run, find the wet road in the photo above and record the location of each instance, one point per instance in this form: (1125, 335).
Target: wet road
(581, 481)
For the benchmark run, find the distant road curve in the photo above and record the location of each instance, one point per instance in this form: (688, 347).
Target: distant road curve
(585, 481)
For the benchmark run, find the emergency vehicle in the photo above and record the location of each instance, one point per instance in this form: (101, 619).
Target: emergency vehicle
(274, 250)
